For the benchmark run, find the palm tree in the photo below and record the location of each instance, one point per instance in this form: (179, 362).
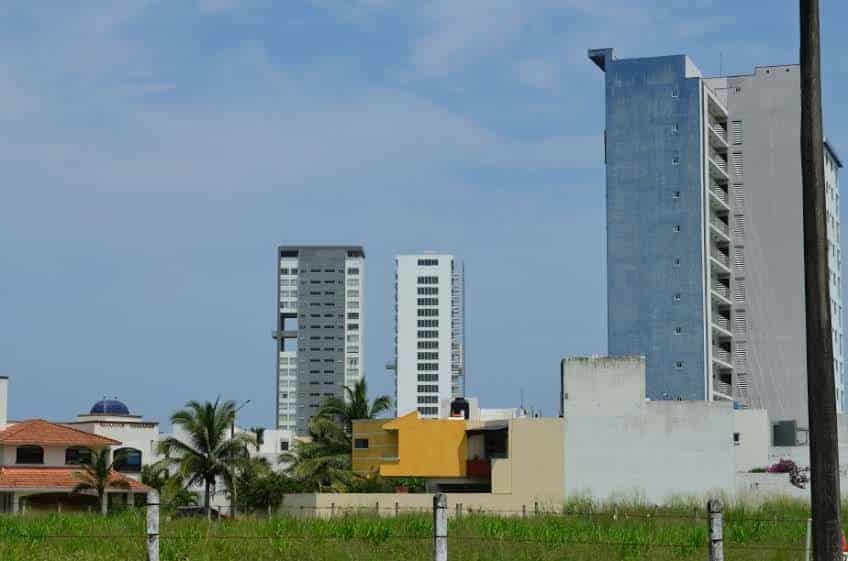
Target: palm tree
(322, 462)
(171, 488)
(211, 451)
(96, 475)
(355, 406)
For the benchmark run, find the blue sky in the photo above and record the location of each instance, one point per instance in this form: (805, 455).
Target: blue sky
(155, 153)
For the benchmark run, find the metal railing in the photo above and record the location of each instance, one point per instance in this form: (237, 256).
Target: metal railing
(722, 258)
(721, 193)
(721, 225)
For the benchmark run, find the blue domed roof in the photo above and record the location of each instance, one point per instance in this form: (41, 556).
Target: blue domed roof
(109, 407)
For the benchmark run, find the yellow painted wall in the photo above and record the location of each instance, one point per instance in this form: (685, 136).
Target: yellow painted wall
(427, 447)
(382, 446)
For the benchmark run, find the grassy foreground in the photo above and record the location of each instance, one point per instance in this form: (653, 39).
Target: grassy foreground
(775, 531)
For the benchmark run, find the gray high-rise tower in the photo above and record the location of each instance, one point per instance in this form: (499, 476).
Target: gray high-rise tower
(319, 328)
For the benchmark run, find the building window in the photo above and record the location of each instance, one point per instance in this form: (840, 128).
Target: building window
(679, 365)
(677, 262)
(425, 366)
(675, 195)
(427, 262)
(360, 443)
(428, 301)
(428, 356)
(29, 455)
(675, 128)
(353, 270)
(428, 378)
(428, 389)
(428, 280)
(284, 446)
(428, 399)
(676, 227)
(677, 297)
(127, 460)
(675, 92)
(678, 330)
(737, 439)
(77, 455)
(428, 410)
(675, 160)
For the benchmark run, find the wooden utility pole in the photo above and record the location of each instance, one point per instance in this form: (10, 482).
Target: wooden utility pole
(821, 391)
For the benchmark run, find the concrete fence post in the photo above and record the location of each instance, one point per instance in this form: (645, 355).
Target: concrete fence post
(153, 525)
(397, 509)
(714, 508)
(377, 508)
(332, 510)
(523, 511)
(536, 508)
(440, 527)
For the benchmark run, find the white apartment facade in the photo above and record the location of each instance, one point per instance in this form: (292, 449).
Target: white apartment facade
(429, 332)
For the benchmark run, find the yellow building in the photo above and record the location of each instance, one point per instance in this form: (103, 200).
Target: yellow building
(521, 456)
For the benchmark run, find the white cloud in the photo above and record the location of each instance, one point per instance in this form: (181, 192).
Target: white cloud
(460, 32)
(540, 74)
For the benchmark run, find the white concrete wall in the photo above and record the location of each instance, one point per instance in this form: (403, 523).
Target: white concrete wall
(654, 452)
(4, 401)
(600, 385)
(619, 446)
(754, 431)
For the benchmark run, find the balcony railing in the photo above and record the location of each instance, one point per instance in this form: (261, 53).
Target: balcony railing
(720, 192)
(719, 129)
(478, 468)
(722, 258)
(721, 225)
(719, 288)
(721, 321)
(719, 160)
(721, 354)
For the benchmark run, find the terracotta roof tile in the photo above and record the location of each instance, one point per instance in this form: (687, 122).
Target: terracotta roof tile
(54, 478)
(45, 433)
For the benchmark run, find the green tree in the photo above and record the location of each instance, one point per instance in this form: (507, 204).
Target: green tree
(211, 451)
(321, 462)
(171, 488)
(98, 475)
(261, 488)
(354, 406)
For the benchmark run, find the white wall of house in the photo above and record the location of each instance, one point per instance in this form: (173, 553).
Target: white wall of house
(620, 446)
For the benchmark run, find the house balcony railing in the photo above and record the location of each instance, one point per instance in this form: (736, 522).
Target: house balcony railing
(478, 468)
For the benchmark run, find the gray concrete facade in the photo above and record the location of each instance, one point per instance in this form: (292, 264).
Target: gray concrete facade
(314, 331)
(769, 311)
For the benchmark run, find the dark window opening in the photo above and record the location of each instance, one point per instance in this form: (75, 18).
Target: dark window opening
(29, 455)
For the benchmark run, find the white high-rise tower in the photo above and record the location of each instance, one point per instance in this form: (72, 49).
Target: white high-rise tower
(429, 332)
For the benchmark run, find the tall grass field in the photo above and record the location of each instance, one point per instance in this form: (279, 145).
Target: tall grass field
(773, 531)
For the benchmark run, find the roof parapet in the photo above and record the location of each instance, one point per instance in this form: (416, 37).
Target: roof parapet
(601, 56)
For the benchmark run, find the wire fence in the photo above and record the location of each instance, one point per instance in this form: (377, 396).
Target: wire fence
(477, 529)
